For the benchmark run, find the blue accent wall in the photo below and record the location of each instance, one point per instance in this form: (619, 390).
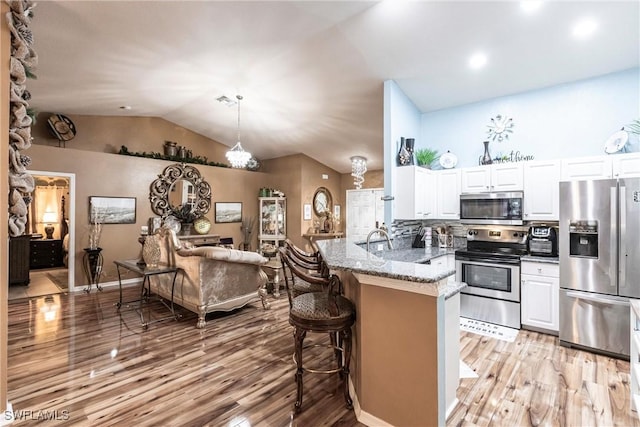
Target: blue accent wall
(568, 120)
(401, 119)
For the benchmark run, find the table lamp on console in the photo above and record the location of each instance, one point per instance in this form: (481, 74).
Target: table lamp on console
(49, 218)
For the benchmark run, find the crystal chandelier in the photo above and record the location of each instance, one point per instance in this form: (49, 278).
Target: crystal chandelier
(237, 156)
(358, 168)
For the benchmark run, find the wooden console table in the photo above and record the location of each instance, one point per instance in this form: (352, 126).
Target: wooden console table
(312, 237)
(201, 239)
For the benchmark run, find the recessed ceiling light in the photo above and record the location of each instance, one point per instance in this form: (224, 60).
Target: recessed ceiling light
(125, 107)
(530, 6)
(584, 28)
(477, 60)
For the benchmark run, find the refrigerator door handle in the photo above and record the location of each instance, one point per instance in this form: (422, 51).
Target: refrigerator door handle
(613, 244)
(622, 246)
(606, 301)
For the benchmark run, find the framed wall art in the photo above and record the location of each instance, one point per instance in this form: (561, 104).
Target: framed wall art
(112, 210)
(228, 212)
(307, 212)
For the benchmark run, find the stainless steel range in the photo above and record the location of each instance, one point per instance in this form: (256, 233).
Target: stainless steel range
(490, 266)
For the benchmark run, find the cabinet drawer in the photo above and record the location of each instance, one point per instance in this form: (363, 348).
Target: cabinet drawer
(540, 269)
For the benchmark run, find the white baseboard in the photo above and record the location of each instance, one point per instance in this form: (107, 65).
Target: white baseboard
(451, 407)
(112, 284)
(362, 416)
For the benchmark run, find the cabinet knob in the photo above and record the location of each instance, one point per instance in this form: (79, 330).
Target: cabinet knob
(539, 270)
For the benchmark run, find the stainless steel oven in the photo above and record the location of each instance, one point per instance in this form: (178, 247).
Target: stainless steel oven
(492, 208)
(490, 266)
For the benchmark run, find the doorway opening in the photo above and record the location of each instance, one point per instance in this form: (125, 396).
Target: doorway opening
(51, 224)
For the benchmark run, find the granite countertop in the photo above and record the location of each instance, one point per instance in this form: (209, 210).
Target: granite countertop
(543, 259)
(406, 264)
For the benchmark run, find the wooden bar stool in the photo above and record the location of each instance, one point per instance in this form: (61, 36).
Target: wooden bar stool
(325, 312)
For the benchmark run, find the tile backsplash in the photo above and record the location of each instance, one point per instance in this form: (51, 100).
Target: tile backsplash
(409, 228)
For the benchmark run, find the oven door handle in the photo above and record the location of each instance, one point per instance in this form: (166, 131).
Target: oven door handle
(488, 261)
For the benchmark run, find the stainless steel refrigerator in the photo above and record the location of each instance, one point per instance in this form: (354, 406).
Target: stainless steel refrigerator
(599, 253)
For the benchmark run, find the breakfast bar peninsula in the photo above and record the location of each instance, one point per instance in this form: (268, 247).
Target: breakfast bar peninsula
(405, 363)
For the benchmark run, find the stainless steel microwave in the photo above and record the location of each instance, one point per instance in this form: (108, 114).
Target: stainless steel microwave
(492, 208)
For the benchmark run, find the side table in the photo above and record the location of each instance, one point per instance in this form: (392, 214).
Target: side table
(274, 266)
(92, 263)
(145, 291)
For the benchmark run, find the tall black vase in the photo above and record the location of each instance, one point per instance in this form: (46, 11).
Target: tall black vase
(409, 144)
(486, 157)
(403, 154)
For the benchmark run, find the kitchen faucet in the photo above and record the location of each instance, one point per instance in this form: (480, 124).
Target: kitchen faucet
(382, 233)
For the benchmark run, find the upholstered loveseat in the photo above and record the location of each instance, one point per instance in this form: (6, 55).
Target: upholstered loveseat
(209, 278)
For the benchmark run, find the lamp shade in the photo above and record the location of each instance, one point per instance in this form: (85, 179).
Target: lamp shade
(49, 217)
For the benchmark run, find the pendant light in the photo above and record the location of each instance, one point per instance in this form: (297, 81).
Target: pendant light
(237, 156)
(358, 169)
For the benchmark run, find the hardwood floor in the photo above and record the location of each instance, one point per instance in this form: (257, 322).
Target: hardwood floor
(87, 365)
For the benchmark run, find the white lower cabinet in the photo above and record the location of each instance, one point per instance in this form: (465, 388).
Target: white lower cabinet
(634, 361)
(540, 294)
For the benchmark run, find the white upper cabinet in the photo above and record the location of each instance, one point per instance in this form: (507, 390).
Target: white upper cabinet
(541, 184)
(476, 179)
(448, 192)
(579, 168)
(414, 193)
(626, 165)
(499, 177)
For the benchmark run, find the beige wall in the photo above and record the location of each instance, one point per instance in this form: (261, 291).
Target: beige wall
(5, 52)
(299, 176)
(107, 134)
(100, 174)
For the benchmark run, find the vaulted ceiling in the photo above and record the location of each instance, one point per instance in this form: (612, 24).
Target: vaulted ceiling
(311, 72)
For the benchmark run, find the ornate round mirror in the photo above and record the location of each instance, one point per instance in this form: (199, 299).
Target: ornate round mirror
(322, 201)
(180, 188)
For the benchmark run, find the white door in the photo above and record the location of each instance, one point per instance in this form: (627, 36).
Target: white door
(541, 188)
(364, 208)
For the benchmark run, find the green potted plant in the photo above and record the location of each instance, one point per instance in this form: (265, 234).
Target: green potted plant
(426, 156)
(186, 215)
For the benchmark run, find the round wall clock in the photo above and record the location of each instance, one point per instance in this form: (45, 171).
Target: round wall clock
(500, 127)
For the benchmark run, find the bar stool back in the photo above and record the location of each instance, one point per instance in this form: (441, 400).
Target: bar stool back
(322, 312)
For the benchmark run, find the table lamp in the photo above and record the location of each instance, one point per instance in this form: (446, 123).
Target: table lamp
(49, 218)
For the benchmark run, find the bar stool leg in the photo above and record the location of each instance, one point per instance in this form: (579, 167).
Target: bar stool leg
(346, 342)
(299, 339)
